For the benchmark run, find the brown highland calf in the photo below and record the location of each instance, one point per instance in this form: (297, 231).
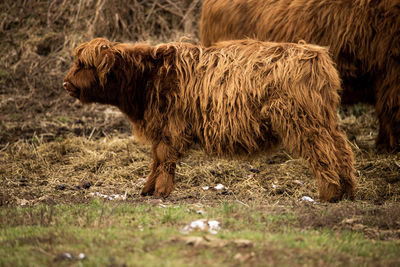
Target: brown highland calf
(363, 37)
(237, 98)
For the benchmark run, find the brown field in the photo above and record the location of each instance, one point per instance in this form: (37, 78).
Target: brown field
(54, 150)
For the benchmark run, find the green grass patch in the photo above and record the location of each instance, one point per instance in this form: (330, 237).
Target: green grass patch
(63, 119)
(142, 234)
(14, 116)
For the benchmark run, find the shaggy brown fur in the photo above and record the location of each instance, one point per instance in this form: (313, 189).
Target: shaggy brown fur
(238, 98)
(363, 36)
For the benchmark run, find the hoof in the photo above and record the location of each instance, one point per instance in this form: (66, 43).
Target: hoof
(146, 191)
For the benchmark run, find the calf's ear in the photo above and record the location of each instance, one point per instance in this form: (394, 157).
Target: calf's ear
(104, 63)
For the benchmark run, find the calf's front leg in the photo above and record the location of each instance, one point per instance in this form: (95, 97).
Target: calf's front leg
(160, 181)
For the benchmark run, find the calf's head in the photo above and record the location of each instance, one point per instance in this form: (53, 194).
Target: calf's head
(94, 75)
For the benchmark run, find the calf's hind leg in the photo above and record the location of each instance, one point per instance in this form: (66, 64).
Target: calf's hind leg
(316, 139)
(345, 161)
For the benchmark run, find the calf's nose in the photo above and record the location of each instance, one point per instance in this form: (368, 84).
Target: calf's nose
(65, 85)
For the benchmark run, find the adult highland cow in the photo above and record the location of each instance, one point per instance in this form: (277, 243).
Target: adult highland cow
(363, 36)
(237, 98)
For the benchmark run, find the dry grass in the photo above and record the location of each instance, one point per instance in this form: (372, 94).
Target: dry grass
(69, 170)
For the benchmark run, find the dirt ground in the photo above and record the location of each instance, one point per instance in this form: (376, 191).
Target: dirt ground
(55, 150)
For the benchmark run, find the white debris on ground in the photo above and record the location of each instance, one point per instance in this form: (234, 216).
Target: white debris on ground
(211, 226)
(66, 256)
(197, 211)
(298, 182)
(71, 257)
(217, 187)
(220, 187)
(109, 197)
(196, 208)
(23, 202)
(308, 199)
